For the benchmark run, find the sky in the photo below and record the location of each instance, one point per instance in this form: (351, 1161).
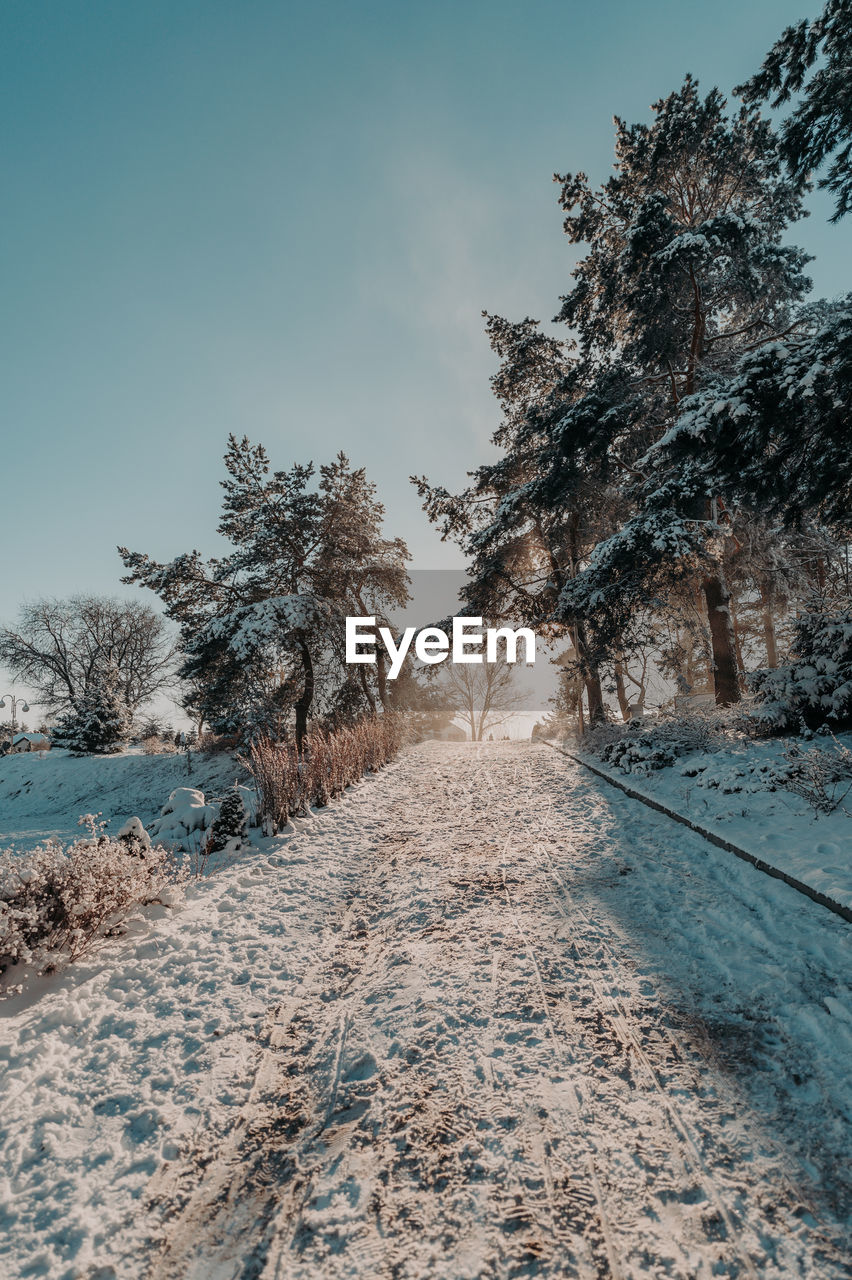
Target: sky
(285, 220)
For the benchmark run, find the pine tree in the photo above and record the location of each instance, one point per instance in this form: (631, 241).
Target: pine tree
(356, 563)
(814, 688)
(522, 547)
(685, 269)
(100, 722)
(820, 125)
(262, 628)
(230, 824)
(775, 434)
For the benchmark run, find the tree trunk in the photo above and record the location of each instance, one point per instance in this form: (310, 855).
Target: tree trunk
(594, 692)
(769, 638)
(591, 677)
(725, 683)
(738, 642)
(381, 677)
(621, 691)
(366, 690)
(303, 706)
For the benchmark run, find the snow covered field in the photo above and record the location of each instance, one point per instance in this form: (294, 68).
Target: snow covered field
(732, 793)
(485, 1017)
(43, 795)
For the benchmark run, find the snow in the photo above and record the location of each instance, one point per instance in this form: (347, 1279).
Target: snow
(185, 812)
(485, 1016)
(42, 797)
(264, 622)
(133, 830)
(732, 792)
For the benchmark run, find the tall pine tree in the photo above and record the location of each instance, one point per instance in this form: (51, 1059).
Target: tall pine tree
(812, 64)
(521, 547)
(262, 627)
(685, 270)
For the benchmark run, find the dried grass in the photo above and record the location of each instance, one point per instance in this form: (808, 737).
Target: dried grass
(288, 784)
(57, 901)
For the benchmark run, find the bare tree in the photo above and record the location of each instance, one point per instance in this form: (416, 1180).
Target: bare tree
(62, 647)
(486, 694)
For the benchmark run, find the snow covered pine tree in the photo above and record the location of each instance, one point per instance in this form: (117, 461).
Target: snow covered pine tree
(686, 270)
(99, 723)
(230, 826)
(262, 628)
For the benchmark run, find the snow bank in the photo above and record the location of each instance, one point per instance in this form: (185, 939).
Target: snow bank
(734, 792)
(40, 798)
(184, 813)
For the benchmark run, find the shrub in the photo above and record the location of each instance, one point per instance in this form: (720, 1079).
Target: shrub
(212, 744)
(815, 687)
(150, 727)
(229, 828)
(822, 777)
(58, 900)
(642, 747)
(184, 813)
(288, 784)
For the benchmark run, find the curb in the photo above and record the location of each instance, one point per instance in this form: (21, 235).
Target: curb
(799, 885)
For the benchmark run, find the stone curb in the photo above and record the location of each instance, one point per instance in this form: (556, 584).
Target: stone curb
(799, 885)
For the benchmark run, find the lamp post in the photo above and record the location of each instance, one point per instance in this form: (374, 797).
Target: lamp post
(14, 701)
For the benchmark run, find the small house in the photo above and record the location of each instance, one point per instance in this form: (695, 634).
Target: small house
(29, 742)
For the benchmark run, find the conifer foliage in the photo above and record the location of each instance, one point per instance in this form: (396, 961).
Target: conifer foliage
(262, 627)
(229, 828)
(99, 723)
(580, 525)
(814, 688)
(812, 63)
(686, 270)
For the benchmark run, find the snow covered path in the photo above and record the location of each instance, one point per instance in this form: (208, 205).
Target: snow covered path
(534, 1032)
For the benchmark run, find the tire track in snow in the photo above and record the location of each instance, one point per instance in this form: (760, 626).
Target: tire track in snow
(786, 1195)
(621, 1020)
(454, 1092)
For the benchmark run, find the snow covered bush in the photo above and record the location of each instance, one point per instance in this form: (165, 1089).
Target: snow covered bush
(642, 747)
(287, 783)
(58, 900)
(638, 755)
(184, 813)
(99, 723)
(251, 803)
(815, 687)
(133, 834)
(229, 828)
(821, 776)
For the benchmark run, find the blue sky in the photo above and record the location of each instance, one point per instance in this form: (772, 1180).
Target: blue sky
(284, 220)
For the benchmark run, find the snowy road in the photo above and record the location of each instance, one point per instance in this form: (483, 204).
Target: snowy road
(485, 1017)
(551, 1036)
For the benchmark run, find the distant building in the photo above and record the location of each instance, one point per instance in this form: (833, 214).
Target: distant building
(29, 742)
